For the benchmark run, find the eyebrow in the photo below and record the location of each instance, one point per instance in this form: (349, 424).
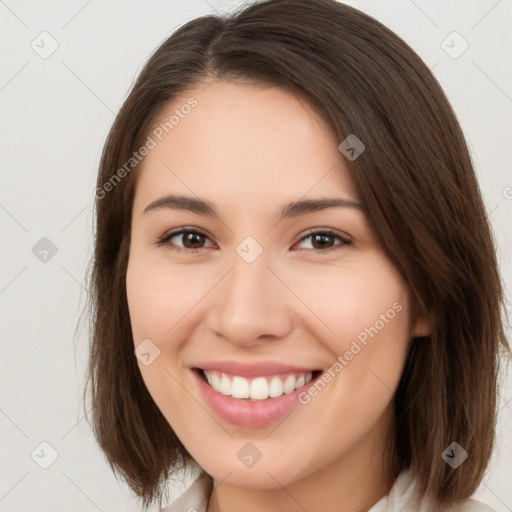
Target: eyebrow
(293, 209)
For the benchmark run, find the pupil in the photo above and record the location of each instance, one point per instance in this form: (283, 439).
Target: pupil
(317, 237)
(190, 238)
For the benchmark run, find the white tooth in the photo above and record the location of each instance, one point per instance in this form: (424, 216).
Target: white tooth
(225, 385)
(289, 384)
(276, 387)
(259, 388)
(215, 381)
(240, 388)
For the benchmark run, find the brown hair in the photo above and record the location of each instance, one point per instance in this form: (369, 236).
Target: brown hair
(417, 183)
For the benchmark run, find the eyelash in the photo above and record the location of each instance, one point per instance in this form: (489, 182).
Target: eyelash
(164, 240)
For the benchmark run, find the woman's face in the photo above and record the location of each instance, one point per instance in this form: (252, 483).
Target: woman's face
(266, 296)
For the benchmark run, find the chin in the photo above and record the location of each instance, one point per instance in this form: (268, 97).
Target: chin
(273, 473)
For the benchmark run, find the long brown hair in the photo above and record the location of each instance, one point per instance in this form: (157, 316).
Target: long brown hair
(417, 182)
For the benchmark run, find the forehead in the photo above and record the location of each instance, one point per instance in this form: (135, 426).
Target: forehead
(243, 142)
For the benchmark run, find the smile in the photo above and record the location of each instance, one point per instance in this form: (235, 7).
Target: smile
(256, 400)
(259, 388)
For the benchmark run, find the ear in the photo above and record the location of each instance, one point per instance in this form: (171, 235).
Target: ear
(421, 327)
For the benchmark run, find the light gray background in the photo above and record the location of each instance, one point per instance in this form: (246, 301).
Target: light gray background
(55, 115)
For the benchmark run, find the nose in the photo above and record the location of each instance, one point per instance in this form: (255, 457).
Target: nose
(251, 304)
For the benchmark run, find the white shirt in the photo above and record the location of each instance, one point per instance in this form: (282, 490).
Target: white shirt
(401, 498)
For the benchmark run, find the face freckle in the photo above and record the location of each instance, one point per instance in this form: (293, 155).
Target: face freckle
(256, 290)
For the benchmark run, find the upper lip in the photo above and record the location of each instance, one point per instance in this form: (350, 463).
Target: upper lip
(256, 369)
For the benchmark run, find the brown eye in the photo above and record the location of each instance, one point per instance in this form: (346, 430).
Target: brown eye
(322, 240)
(192, 240)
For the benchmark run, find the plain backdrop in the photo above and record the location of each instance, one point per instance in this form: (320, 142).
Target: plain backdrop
(56, 111)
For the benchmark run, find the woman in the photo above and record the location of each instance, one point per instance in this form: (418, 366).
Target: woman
(294, 286)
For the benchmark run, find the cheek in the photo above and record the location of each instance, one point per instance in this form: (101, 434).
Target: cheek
(357, 303)
(154, 309)
(150, 308)
(161, 304)
(368, 310)
(157, 298)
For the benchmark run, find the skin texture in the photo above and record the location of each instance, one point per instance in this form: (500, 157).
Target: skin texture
(250, 149)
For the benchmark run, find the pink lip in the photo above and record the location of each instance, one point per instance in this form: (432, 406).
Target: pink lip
(246, 413)
(246, 370)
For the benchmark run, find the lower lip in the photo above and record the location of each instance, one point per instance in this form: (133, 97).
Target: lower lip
(246, 413)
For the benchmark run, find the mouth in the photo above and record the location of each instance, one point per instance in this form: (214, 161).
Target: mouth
(260, 388)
